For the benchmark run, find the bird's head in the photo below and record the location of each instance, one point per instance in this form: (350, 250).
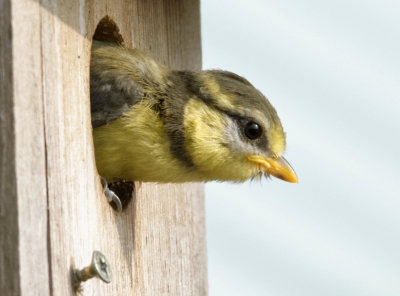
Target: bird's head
(232, 132)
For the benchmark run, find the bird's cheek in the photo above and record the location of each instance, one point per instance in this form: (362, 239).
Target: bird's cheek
(208, 146)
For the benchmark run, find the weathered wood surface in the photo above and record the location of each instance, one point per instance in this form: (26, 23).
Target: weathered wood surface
(23, 199)
(52, 212)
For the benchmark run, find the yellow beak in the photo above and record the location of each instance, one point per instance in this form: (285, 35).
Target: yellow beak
(277, 167)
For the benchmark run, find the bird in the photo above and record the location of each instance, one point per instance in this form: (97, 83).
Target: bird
(152, 123)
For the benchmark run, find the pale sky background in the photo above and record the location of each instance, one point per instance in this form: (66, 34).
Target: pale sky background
(332, 70)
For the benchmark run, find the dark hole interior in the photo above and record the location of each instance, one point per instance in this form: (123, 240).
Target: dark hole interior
(108, 31)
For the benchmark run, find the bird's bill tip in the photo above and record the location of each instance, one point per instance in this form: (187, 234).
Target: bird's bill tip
(278, 167)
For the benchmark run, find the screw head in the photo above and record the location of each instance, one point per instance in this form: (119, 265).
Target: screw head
(99, 267)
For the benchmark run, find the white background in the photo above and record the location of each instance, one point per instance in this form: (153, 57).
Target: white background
(332, 70)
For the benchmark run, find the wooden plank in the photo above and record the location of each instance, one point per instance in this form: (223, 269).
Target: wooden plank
(157, 246)
(170, 32)
(24, 268)
(9, 256)
(53, 214)
(169, 251)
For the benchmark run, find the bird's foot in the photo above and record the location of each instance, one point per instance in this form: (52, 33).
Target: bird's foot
(111, 196)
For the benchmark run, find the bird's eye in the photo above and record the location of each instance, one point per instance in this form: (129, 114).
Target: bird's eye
(252, 130)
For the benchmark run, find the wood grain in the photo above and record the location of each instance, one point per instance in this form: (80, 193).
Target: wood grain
(9, 259)
(53, 214)
(24, 268)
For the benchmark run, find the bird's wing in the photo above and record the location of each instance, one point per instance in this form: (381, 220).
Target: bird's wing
(110, 101)
(119, 79)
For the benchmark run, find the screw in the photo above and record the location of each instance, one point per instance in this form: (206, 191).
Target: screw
(111, 196)
(99, 267)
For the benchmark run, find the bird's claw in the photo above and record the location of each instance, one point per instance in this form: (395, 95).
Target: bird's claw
(111, 196)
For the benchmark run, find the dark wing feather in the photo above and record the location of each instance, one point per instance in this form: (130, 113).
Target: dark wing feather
(113, 89)
(111, 99)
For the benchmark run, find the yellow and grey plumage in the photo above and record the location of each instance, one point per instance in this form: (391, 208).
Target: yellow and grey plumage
(152, 123)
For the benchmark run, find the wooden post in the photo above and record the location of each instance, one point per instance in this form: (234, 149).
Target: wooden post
(53, 214)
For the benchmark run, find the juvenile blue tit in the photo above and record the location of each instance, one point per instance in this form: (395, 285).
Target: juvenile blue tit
(155, 124)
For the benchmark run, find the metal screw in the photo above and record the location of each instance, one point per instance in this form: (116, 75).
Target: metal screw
(111, 196)
(99, 268)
